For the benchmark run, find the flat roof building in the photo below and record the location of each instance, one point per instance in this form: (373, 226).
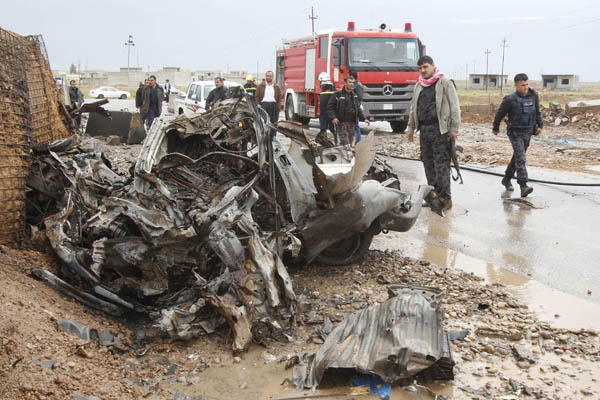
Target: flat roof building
(560, 81)
(483, 81)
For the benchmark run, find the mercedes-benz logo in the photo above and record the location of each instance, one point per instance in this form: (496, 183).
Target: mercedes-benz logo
(388, 90)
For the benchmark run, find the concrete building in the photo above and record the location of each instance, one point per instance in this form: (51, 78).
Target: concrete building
(134, 75)
(491, 81)
(560, 82)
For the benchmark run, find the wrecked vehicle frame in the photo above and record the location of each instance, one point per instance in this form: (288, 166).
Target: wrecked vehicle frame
(213, 205)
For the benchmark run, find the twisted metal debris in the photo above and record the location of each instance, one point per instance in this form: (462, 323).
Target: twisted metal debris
(195, 237)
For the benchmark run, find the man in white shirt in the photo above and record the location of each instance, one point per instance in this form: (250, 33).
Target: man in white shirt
(268, 95)
(167, 90)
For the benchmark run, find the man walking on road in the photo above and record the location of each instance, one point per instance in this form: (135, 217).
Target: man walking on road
(217, 94)
(344, 109)
(268, 95)
(152, 98)
(435, 112)
(524, 120)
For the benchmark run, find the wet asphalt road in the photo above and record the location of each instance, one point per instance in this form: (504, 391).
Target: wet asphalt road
(557, 245)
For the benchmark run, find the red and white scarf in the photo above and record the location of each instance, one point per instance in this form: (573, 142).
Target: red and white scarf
(433, 79)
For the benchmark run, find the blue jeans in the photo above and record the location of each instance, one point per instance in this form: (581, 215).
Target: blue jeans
(357, 131)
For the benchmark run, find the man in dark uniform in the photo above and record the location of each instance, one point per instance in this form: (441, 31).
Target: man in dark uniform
(436, 113)
(524, 120)
(327, 90)
(217, 94)
(250, 86)
(343, 109)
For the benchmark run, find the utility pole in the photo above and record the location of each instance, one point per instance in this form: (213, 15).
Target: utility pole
(128, 43)
(504, 46)
(312, 17)
(256, 69)
(487, 78)
(467, 76)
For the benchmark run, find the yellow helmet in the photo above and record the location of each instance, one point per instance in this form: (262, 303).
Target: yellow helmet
(249, 78)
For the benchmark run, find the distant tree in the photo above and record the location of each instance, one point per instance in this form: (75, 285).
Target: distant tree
(72, 69)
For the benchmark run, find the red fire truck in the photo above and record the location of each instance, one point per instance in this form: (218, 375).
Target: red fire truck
(384, 60)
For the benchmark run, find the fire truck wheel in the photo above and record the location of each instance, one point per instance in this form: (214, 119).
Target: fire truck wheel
(398, 126)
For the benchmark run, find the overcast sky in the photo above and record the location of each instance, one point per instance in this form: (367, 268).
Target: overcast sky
(543, 36)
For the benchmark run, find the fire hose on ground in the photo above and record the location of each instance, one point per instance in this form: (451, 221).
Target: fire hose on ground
(482, 171)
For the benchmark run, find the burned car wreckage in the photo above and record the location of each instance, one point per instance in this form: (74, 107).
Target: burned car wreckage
(213, 206)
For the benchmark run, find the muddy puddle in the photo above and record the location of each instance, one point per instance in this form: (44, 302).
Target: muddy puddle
(254, 378)
(561, 309)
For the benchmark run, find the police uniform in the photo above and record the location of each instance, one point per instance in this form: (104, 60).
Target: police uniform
(524, 118)
(435, 147)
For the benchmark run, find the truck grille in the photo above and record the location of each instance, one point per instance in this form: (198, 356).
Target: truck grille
(399, 92)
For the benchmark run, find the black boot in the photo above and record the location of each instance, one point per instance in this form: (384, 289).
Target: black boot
(525, 190)
(509, 187)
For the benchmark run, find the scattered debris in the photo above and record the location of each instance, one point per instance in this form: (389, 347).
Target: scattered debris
(583, 114)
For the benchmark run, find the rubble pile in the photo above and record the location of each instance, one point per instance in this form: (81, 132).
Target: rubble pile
(556, 116)
(505, 347)
(177, 240)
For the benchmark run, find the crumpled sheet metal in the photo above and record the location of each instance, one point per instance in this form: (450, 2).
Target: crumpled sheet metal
(354, 211)
(397, 339)
(365, 154)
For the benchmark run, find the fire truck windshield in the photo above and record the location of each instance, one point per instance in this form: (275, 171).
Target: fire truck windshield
(381, 52)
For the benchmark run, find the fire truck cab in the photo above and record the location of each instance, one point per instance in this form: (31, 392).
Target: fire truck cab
(385, 62)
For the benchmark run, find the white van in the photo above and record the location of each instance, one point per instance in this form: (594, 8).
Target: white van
(195, 97)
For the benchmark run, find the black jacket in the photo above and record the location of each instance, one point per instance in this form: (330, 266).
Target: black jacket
(336, 107)
(75, 96)
(250, 88)
(215, 95)
(510, 105)
(139, 99)
(327, 91)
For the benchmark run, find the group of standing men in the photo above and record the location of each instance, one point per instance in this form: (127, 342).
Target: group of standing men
(340, 110)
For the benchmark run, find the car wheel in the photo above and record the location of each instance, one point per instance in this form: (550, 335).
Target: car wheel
(398, 126)
(349, 250)
(100, 96)
(123, 96)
